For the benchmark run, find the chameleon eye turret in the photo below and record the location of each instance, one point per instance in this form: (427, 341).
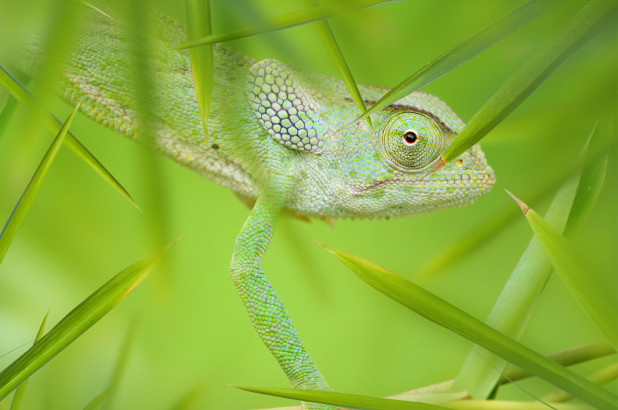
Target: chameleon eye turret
(411, 141)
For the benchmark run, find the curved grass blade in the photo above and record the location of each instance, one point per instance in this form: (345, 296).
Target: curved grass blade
(577, 274)
(19, 393)
(328, 39)
(202, 66)
(443, 313)
(22, 95)
(23, 205)
(80, 319)
(105, 397)
(481, 371)
(465, 50)
(603, 376)
(287, 20)
(350, 401)
(592, 17)
(7, 112)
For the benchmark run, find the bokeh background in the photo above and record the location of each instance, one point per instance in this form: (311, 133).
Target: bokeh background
(191, 329)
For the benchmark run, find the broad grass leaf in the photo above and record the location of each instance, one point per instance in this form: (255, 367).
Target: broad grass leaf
(598, 301)
(22, 95)
(202, 65)
(19, 393)
(328, 39)
(593, 16)
(349, 401)
(465, 50)
(603, 376)
(443, 313)
(80, 319)
(27, 198)
(287, 20)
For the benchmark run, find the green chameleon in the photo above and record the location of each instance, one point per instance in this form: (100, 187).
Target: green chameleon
(284, 141)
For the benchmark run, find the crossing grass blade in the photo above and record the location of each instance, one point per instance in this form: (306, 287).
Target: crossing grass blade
(579, 277)
(465, 50)
(80, 319)
(27, 198)
(19, 393)
(22, 95)
(592, 17)
(287, 20)
(481, 371)
(7, 113)
(443, 313)
(105, 397)
(198, 25)
(328, 39)
(350, 401)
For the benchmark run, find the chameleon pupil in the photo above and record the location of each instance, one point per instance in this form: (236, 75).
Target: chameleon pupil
(410, 137)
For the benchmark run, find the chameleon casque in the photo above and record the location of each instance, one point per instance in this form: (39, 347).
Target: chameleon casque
(280, 138)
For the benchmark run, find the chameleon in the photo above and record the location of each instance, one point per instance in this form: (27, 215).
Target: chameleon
(284, 140)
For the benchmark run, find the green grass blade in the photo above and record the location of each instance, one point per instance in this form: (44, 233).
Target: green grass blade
(603, 376)
(350, 401)
(106, 396)
(80, 319)
(19, 393)
(567, 357)
(465, 50)
(481, 371)
(599, 302)
(535, 70)
(202, 66)
(287, 20)
(22, 95)
(443, 313)
(23, 205)
(7, 113)
(328, 39)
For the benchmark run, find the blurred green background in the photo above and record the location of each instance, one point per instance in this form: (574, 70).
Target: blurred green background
(192, 329)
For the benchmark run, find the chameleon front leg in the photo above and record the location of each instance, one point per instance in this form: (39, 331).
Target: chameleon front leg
(265, 309)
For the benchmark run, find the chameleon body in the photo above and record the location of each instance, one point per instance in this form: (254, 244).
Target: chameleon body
(281, 138)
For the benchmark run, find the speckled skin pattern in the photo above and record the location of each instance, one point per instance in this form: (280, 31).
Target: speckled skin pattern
(284, 139)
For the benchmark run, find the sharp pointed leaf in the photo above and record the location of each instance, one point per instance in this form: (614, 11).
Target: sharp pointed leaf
(27, 198)
(80, 319)
(287, 20)
(465, 50)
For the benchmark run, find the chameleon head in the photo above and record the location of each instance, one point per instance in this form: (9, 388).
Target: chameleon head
(351, 169)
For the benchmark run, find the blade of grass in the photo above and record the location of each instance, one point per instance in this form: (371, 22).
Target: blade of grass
(198, 25)
(22, 95)
(600, 304)
(27, 198)
(603, 376)
(105, 397)
(7, 113)
(350, 401)
(80, 319)
(465, 50)
(328, 39)
(481, 371)
(443, 313)
(19, 393)
(593, 16)
(287, 20)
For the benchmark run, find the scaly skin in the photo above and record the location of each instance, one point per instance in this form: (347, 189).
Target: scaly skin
(282, 138)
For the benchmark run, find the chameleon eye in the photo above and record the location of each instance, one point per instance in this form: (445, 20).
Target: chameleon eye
(411, 141)
(410, 137)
